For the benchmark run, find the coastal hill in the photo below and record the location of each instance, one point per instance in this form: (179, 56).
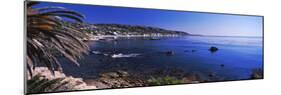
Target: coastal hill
(134, 30)
(120, 29)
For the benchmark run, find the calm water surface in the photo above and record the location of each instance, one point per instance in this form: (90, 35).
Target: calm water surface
(239, 55)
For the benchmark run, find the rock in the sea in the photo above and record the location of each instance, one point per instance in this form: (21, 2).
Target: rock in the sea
(222, 65)
(213, 49)
(169, 53)
(212, 74)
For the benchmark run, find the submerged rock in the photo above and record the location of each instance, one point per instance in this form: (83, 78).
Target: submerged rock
(222, 65)
(213, 49)
(212, 74)
(170, 53)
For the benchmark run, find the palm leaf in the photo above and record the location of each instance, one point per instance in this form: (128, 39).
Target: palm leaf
(30, 4)
(41, 84)
(47, 34)
(49, 8)
(70, 16)
(63, 12)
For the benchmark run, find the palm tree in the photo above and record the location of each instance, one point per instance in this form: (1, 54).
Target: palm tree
(41, 84)
(47, 36)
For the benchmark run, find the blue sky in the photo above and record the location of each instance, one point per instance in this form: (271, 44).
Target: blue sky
(191, 22)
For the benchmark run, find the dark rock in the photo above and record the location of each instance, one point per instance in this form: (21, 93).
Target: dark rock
(222, 65)
(213, 49)
(169, 53)
(211, 75)
(193, 50)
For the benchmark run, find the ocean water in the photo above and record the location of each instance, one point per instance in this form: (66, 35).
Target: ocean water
(238, 55)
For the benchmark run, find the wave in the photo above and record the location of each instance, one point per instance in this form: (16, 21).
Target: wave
(96, 52)
(100, 53)
(120, 55)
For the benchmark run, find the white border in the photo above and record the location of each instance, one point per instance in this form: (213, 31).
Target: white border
(12, 47)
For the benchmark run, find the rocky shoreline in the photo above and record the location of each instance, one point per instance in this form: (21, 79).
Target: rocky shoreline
(116, 79)
(122, 78)
(72, 83)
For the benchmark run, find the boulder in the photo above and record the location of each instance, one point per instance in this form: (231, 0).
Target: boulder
(213, 49)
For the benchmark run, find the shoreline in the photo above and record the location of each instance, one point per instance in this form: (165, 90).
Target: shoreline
(102, 37)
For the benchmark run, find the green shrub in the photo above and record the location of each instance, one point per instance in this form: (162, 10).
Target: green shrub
(164, 81)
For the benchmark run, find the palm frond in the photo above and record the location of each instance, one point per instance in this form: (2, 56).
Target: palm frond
(62, 12)
(32, 3)
(40, 84)
(49, 8)
(48, 37)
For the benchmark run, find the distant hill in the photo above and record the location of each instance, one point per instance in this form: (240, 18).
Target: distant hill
(134, 30)
(119, 29)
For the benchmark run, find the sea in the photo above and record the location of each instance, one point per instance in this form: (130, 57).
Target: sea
(235, 59)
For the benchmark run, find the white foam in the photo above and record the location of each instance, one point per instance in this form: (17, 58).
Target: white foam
(96, 52)
(120, 55)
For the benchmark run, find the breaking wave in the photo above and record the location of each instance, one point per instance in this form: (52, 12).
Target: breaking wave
(120, 55)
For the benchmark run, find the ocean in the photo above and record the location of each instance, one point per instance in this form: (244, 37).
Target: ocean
(235, 58)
